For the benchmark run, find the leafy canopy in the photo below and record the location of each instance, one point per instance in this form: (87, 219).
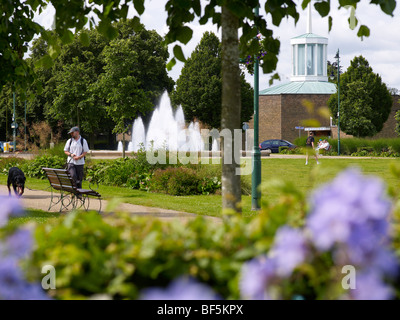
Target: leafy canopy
(365, 101)
(199, 87)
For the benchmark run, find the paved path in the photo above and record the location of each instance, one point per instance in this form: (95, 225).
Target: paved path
(38, 199)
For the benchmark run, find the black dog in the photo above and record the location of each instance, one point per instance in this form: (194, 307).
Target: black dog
(17, 179)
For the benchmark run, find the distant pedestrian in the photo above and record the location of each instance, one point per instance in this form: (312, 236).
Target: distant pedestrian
(310, 147)
(76, 149)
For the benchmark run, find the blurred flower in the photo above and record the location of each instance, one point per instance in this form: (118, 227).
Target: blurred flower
(183, 288)
(256, 275)
(369, 286)
(289, 250)
(351, 199)
(11, 206)
(20, 243)
(13, 285)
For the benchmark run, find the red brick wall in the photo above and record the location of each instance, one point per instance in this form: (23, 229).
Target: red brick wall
(295, 113)
(270, 117)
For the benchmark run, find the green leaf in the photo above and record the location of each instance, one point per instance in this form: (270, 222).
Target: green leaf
(139, 6)
(84, 38)
(184, 34)
(46, 62)
(54, 51)
(363, 32)
(304, 4)
(67, 37)
(108, 8)
(20, 71)
(170, 64)
(323, 8)
(330, 22)
(387, 6)
(179, 53)
(137, 26)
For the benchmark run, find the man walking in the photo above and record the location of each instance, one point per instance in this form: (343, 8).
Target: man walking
(310, 147)
(76, 149)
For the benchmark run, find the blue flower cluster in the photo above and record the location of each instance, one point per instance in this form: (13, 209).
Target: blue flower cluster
(349, 218)
(183, 288)
(14, 248)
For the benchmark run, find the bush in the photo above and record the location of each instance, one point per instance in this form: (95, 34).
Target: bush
(33, 168)
(179, 181)
(9, 162)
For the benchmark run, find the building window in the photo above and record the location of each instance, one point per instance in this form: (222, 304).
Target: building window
(320, 65)
(294, 59)
(301, 71)
(310, 59)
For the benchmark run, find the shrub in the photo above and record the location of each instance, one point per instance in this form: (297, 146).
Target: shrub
(9, 162)
(179, 181)
(283, 149)
(34, 167)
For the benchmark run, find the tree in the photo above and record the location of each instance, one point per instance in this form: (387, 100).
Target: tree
(199, 87)
(365, 101)
(135, 76)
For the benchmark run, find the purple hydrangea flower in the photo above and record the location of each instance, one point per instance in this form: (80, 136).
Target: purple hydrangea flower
(350, 199)
(11, 206)
(183, 288)
(256, 275)
(13, 286)
(19, 244)
(369, 286)
(289, 250)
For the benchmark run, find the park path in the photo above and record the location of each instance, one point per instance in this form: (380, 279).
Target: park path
(40, 199)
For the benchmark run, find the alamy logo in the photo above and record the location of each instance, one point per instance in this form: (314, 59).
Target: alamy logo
(349, 280)
(49, 280)
(231, 151)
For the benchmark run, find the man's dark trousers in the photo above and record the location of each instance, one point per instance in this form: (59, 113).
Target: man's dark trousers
(76, 172)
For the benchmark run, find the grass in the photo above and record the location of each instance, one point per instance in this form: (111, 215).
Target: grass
(35, 215)
(306, 178)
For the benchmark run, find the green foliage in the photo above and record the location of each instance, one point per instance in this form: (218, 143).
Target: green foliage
(199, 87)
(180, 181)
(9, 162)
(365, 101)
(33, 168)
(121, 255)
(121, 258)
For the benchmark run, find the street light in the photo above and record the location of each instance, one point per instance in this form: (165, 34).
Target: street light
(256, 174)
(256, 154)
(338, 92)
(13, 125)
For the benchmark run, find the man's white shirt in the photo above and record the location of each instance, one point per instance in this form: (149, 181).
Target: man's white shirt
(76, 149)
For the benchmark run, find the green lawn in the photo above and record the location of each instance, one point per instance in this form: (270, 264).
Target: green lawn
(304, 177)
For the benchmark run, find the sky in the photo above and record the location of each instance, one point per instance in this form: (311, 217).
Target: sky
(381, 48)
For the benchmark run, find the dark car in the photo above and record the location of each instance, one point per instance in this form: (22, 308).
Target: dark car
(274, 145)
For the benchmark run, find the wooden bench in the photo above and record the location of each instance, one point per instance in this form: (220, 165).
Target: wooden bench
(69, 196)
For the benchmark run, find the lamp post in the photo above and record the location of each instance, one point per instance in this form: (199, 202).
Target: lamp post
(338, 84)
(256, 159)
(256, 154)
(25, 127)
(13, 124)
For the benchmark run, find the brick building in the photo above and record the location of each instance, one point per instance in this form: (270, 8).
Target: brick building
(290, 110)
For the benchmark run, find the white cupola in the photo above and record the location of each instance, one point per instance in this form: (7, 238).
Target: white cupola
(309, 55)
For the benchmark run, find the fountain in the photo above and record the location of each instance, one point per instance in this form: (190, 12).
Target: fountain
(138, 135)
(167, 131)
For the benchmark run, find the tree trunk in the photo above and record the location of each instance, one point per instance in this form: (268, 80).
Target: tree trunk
(91, 140)
(230, 110)
(123, 145)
